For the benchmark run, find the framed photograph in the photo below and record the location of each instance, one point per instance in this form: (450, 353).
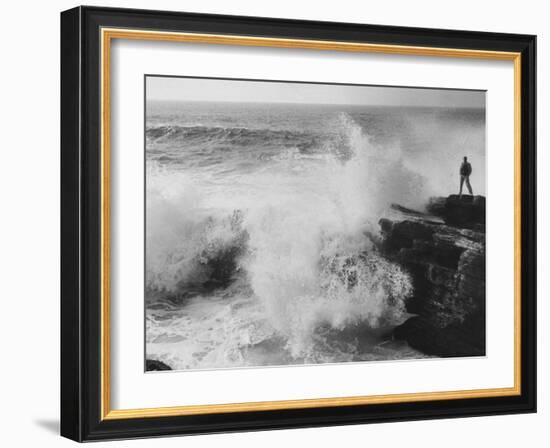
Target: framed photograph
(273, 223)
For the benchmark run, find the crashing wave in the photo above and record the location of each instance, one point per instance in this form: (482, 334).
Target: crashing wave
(296, 231)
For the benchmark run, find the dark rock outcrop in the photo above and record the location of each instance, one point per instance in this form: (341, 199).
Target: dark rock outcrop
(460, 211)
(444, 252)
(154, 365)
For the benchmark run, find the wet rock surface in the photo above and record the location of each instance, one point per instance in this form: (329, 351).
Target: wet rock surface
(460, 211)
(444, 252)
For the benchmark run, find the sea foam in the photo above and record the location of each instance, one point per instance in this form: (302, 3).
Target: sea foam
(309, 221)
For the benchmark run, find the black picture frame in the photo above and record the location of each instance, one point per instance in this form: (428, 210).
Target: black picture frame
(81, 224)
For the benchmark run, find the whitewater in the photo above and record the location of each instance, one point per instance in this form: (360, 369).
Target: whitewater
(262, 227)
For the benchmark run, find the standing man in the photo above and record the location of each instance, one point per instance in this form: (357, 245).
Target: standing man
(465, 171)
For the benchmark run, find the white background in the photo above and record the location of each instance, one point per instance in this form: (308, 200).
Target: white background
(29, 234)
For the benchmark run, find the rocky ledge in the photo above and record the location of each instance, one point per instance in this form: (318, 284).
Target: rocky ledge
(152, 365)
(444, 252)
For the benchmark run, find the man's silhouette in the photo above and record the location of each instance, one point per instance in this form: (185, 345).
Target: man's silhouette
(465, 171)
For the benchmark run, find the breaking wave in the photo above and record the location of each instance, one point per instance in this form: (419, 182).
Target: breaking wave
(295, 238)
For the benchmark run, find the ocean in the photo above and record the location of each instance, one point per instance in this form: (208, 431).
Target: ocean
(262, 226)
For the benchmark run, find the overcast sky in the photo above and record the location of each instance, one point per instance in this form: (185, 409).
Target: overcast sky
(201, 89)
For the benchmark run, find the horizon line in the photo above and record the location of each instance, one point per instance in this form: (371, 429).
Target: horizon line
(314, 104)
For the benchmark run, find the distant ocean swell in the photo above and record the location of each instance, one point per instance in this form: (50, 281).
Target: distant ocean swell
(261, 245)
(215, 141)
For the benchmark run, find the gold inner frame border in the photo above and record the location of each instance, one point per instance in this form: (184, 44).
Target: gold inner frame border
(107, 36)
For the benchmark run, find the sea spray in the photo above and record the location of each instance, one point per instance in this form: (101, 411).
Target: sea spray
(184, 240)
(288, 199)
(305, 249)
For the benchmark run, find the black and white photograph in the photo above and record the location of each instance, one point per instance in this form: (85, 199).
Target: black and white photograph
(275, 224)
(297, 223)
